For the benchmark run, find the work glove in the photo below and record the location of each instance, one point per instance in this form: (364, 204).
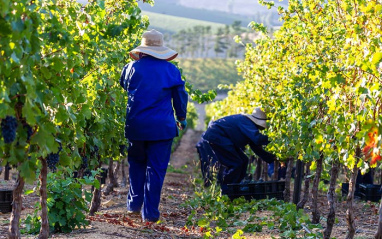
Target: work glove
(182, 124)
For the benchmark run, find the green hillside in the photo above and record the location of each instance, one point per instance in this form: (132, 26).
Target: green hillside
(173, 24)
(207, 74)
(172, 9)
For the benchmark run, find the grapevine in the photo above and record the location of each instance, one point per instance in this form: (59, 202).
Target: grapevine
(318, 79)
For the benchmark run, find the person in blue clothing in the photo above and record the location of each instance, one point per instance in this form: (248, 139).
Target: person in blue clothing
(155, 89)
(228, 137)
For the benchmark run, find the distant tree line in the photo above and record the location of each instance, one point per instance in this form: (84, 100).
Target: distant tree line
(200, 42)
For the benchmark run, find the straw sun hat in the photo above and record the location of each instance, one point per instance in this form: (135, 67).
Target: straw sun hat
(152, 44)
(258, 117)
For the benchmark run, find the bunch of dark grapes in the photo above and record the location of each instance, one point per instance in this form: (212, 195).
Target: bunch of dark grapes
(8, 129)
(53, 158)
(122, 149)
(84, 164)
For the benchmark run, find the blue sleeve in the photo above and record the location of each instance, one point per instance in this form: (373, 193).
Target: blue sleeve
(264, 155)
(249, 129)
(179, 96)
(180, 100)
(123, 81)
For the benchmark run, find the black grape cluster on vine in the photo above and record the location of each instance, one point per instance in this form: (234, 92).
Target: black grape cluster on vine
(122, 149)
(8, 129)
(85, 163)
(53, 158)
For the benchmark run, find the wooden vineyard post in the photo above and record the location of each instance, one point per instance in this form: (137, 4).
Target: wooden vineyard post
(288, 177)
(275, 175)
(6, 172)
(258, 169)
(264, 174)
(298, 181)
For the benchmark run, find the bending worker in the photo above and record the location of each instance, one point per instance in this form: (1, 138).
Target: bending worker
(155, 89)
(228, 137)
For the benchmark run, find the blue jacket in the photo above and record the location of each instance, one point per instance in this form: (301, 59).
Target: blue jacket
(239, 131)
(154, 89)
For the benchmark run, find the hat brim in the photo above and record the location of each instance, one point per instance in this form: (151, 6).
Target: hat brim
(159, 52)
(257, 121)
(261, 123)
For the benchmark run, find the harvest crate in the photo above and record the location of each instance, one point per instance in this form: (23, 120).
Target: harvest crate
(6, 198)
(345, 190)
(256, 190)
(370, 192)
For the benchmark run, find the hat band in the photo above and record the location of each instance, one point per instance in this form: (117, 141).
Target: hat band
(152, 42)
(259, 118)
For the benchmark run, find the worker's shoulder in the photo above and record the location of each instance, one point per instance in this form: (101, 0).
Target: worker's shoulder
(233, 117)
(154, 62)
(229, 119)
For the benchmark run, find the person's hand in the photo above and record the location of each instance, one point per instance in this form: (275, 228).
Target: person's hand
(182, 123)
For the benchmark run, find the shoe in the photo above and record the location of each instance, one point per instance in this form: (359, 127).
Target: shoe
(150, 220)
(133, 213)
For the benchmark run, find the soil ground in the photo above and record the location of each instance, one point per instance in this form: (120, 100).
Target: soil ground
(113, 221)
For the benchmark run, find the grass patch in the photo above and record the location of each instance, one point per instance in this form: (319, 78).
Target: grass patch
(173, 24)
(206, 73)
(198, 13)
(171, 169)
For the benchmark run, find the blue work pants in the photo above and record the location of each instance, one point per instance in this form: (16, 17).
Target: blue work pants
(233, 163)
(208, 161)
(148, 162)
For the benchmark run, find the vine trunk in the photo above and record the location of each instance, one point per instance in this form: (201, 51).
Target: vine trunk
(316, 182)
(331, 199)
(350, 198)
(124, 180)
(112, 178)
(96, 199)
(305, 196)
(378, 235)
(14, 230)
